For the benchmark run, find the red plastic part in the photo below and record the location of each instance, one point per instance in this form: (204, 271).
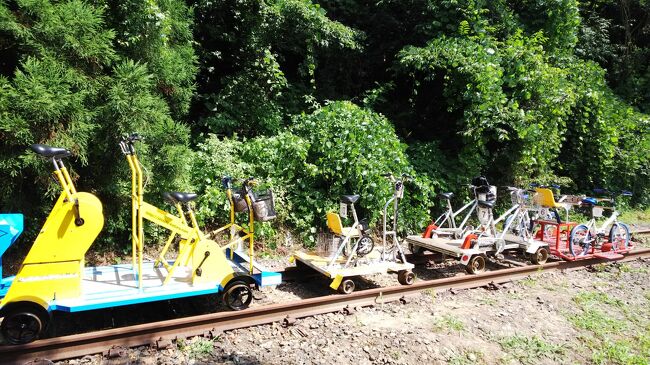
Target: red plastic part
(429, 231)
(467, 243)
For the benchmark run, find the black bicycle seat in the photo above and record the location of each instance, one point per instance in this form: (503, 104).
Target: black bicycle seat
(349, 199)
(486, 204)
(176, 196)
(49, 151)
(447, 196)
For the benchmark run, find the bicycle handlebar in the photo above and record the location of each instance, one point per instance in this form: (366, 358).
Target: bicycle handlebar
(543, 186)
(612, 193)
(390, 176)
(126, 143)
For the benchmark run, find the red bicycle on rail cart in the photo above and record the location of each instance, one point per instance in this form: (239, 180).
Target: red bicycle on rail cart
(571, 241)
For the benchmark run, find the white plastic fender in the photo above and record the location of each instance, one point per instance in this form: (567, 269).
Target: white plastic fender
(468, 254)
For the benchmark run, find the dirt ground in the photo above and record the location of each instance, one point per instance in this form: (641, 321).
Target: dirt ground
(598, 315)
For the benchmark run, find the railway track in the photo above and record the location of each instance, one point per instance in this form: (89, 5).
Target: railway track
(160, 333)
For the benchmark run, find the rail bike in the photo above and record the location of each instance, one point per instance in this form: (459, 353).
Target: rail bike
(475, 246)
(356, 254)
(573, 241)
(53, 276)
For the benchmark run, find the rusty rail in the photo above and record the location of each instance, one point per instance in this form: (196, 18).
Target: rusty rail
(100, 341)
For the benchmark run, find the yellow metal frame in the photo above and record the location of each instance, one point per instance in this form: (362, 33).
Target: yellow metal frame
(53, 266)
(233, 227)
(191, 240)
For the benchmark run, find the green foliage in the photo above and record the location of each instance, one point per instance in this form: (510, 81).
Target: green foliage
(527, 109)
(536, 90)
(258, 61)
(338, 149)
(65, 82)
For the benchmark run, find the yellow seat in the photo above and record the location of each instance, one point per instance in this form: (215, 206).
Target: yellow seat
(546, 199)
(336, 226)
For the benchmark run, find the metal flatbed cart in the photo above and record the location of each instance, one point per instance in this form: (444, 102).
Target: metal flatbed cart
(476, 246)
(356, 254)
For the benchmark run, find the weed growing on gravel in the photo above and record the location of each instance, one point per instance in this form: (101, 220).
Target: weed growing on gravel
(619, 352)
(466, 358)
(590, 299)
(449, 322)
(488, 301)
(626, 268)
(555, 285)
(197, 348)
(598, 322)
(528, 350)
(530, 282)
(431, 293)
(395, 355)
(611, 341)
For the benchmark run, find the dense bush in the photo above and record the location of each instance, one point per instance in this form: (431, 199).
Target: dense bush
(69, 79)
(519, 91)
(338, 149)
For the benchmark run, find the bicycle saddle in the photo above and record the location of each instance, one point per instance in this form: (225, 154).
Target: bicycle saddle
(49, 151)
(447, 196)
(589, 201)
(349, 199)
(486, 204)
(176, 196)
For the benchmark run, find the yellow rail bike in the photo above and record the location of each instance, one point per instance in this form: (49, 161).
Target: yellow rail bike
(53, 276)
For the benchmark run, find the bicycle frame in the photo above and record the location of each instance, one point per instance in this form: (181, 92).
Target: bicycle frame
(490, 234)
(233, 227)
(347, 234)
(450, 216)
(192, 240)
(398, 194)
(592, 224)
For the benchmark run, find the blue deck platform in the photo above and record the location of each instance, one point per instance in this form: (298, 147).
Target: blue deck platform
(116, 285)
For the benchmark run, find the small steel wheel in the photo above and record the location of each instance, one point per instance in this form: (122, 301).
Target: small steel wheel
(405, 277)
(22, 326)
(540, 256)
(347, 286)
(237, 295)
(476, 264)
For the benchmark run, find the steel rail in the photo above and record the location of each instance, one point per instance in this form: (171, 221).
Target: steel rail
(640, 231)
(214, 323)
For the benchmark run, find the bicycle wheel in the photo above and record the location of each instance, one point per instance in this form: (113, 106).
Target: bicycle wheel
(579, 240)
(619, 236)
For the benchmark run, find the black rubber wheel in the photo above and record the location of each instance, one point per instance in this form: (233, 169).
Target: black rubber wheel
(365, 246)
(405, 277)
(619, 236)
(237, 295)
(540, 256)
(347, 286)
(22, 325)
(476, 264)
